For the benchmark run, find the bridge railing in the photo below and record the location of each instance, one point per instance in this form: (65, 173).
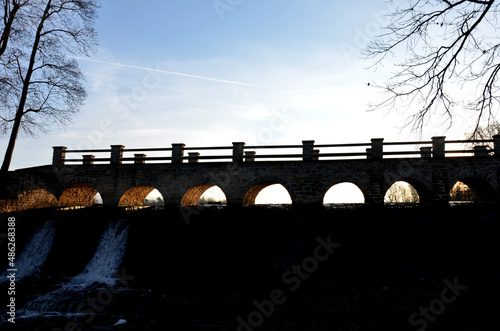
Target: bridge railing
(308, 151)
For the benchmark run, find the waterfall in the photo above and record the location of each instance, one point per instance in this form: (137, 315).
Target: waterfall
(99, 271)
(35, 252)
(107, 258)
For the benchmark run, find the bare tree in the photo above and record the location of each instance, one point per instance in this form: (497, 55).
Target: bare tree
(10, 9)
(40, 85)
(482, 136)
(448, 46)
(401, 192)
(484, 131)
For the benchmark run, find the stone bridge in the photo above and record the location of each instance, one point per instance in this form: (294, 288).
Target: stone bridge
(432, 168)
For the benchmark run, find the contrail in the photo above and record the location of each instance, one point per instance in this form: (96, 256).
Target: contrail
(168, 72)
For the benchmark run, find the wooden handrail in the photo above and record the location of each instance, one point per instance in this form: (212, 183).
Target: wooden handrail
(88, 150)
(434, 148)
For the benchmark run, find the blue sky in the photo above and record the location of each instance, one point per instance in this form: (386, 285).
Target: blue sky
(207, 72)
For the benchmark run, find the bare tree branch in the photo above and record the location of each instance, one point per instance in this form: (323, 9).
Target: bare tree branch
(448, 45)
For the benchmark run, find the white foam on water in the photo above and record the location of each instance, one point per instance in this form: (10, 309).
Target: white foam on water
(99, 272)
(107, 258)
(35, 252)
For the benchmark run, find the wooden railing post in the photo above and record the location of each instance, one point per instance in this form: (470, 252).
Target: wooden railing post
(250, 156)
(139, 158)
(193, 157)
(58, 155)
(425, 152)
(88, 159)
(316, 155)
(480, 151)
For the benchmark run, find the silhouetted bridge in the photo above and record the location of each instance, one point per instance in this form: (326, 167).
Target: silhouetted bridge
(124, 177)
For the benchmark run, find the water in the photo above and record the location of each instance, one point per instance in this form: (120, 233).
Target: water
(226, 259)
(107, 258)
(99, 272)
(36, 250)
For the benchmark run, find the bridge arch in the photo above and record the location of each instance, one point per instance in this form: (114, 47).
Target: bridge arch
(480, 190)
(259, 185)
(421, 189)
(193, 195)
(344, 192)
(78, 194)
(32, 199)
(136, 196)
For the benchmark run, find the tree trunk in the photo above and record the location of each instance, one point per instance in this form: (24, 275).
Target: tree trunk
(22, 101)
(10, 147)
(8, 27)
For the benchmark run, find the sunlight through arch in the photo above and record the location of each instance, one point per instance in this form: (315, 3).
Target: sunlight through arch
(98, 199)
(344, 193)
(140, 195)
(275, 194)
(213, 195)
(267, 193)
(472, 189)
(460, 193)
(155, 199)
(401, 192)
(204, 194)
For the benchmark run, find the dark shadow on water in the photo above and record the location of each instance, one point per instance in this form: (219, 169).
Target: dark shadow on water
(201, 268)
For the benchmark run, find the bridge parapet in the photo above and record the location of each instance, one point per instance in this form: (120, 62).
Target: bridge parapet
(377, 149)
(125, 176)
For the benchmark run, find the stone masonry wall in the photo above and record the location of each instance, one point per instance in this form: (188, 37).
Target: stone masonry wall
(306, 181)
